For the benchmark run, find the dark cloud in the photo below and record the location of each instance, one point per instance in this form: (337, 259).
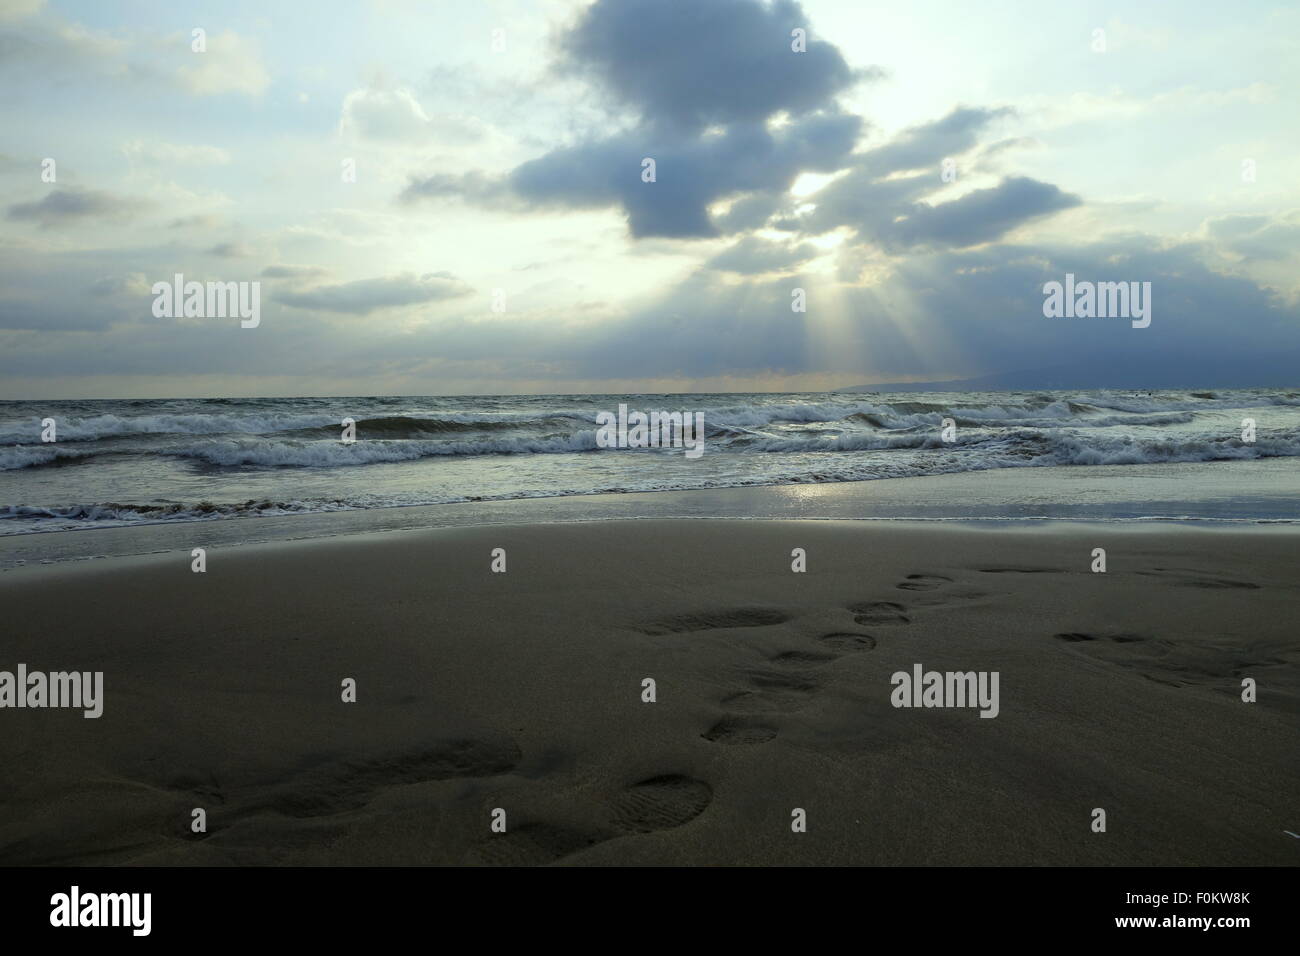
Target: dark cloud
(704, 79)
(979, 216)
(64, 206)
(230, 250)
(980, 307)
(1011, 143)
(988, 303)
(1257, 237)
(43, 315)
(55, 293)
(292, 272)
(749, 213)
(883, 197)
(861, 200)
(927, 145)
(688, 64)
(200, 221)
(369, 295)
(690, 175)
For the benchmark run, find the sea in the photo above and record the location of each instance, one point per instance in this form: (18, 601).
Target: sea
(117, 462)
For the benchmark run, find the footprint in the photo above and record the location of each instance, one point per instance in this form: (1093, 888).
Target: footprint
(534, 844)
(715, 620)
(924, 582)
(339, 787)
(1173, 663)
(781, 680)
(763, 702)
(849, 642)
(879, 612)
(802, 658)
(1075, 638)
(1194, 579)
(1023, 571)
(735, 730)
(776, 690)
(660, 803)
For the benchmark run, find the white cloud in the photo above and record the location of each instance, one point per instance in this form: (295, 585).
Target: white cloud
(396, 116)
(231, 64)
(173, 154)
(17, 9)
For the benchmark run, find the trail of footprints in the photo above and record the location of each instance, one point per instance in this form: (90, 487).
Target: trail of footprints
(1168, 662)
(786, 683)
(657, 803)
(1161, 661)
(793, 677)
(337, 787)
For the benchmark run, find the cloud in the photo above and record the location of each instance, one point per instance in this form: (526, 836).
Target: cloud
(230, 64)
(704, 126)
(134, 283)
(197, 221)
(691, 175)
(978, 306)
(1257, 237)
(17, 9)
(927, 145)
(979, 216)
(293, 272)
(884, 196)
(54, 46)
(174, 154)
(396, 116)
(1008, 144)
(688, 64)
(230, 250)
(749, 212)
(364, 296)
(704, 79)
(69, 292)
(474, 187)
(753, 255)
(63, 206)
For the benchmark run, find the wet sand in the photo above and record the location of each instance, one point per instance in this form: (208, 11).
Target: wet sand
(523, 692)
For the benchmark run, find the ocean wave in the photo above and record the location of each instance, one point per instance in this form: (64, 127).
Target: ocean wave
(333, 454)
(1128, 450)
(97, 427)
(35, 456)
(78, 515)
(407, 426)
(1054, 446)
(1024, 448)
(1097, 409)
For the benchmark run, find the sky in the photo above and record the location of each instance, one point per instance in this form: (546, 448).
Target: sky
(451, 197)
